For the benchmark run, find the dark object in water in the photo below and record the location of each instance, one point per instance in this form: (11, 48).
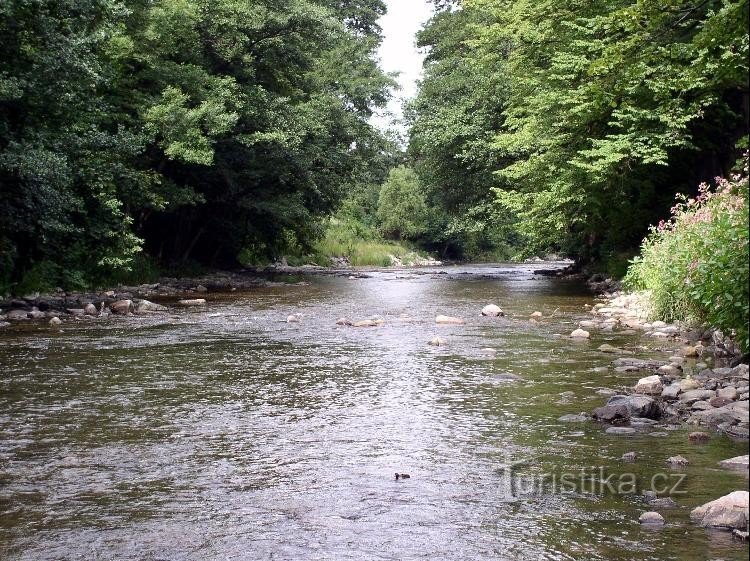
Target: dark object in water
(402, 476)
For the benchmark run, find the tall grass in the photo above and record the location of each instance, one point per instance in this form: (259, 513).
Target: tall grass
(360, 244)
(695, 265)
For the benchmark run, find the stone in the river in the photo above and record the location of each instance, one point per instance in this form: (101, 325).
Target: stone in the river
(90, 310)
(201, 288)
(691, 396)
(587, 324)
(574, 418)
(489, 351)
(699, 437)
(729, 511)
(671, 392)
(122, 307)
(612, 414)
(536, 315)
(344, 321)
(657, 324)
(192, 302)
(729, 392)
(606, 348)
(492, 310)
(701, 406)
(448, 320)
(366, 323)
(687, 384)
(55, 321)
(629, 457)
(738, 462)
(144, 306)
(716, 401)
(652, 518)
(294, 318)
(650, 385)
(580, 334)
(17, 315)
(677, 461)
(740, 534)
(670, 370)
(643, 364)
(438, 342)
(662, 502)
(620, 430)
(637, 405)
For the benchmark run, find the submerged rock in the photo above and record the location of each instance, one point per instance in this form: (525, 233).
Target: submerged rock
(438, 342)
(580, 334)
(620, 430)
(449, 320)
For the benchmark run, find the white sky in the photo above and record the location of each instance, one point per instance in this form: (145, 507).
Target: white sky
(398, 53)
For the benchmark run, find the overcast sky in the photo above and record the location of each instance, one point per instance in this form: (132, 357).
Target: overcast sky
(398, 53)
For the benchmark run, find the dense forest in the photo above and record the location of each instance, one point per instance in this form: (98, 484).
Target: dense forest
(176, 132)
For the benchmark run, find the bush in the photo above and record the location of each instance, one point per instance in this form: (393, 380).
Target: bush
(402, 209)
(696, 264)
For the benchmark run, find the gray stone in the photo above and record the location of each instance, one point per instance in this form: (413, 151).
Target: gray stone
(638, 405)
(492, 310)
(691, 396)
(651, 518)
(729, 392)
(650, 385)
(573, 418)
(671, 392)
(738, 462)
(729, 511)
(629, 457)
(677, 461)
(612, 414)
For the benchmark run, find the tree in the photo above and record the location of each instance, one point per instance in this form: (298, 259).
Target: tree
(402, 210)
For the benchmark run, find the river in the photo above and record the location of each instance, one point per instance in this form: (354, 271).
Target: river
(228, 433)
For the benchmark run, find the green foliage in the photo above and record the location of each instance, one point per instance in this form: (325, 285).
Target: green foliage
(402, 209)
(190, 129)
(695, 266)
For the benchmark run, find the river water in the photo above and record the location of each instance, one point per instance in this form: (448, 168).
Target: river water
(228, 433)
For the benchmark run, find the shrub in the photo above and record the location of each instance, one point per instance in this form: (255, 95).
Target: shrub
(695, 265)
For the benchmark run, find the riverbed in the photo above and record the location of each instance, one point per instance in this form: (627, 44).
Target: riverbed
(225, 432)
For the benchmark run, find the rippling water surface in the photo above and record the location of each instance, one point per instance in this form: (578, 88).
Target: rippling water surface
(227, 433)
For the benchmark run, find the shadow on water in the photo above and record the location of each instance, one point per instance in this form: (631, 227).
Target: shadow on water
(228, 433)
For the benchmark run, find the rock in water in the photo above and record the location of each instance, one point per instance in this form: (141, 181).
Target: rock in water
(677, 461)
(651, 518)
(344, 321)
(650, 385)
(492, 311)
(192, 302)
(90, 310)
(738, 462)
(698, 437)
(448, 320)
(144, 306)
(729, 511)
(55, 321)
(123, 307)
(438, 342)
(580, 334)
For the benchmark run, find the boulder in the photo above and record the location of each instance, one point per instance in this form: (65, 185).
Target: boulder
(717, 401)
(492, 311)
(671, 392)
(730, 393)
(448, 320)
(738, 462)
(670, 370)
(144, 306)
(637, 405)
(55, 321)
(90, 310)
(586, 324)
(294, 318)
(650, 385)
(729, 511)
(344, 321)
(691, 396)
(580, 334)
(17, 315)
(719, 415)
(614, 414)
(366, 323)
(652, 518)
(606, 348)
(701, 406)
(122, 307)
(687, 384)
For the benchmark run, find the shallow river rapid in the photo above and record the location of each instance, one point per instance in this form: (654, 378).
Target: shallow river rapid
(227, 433)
